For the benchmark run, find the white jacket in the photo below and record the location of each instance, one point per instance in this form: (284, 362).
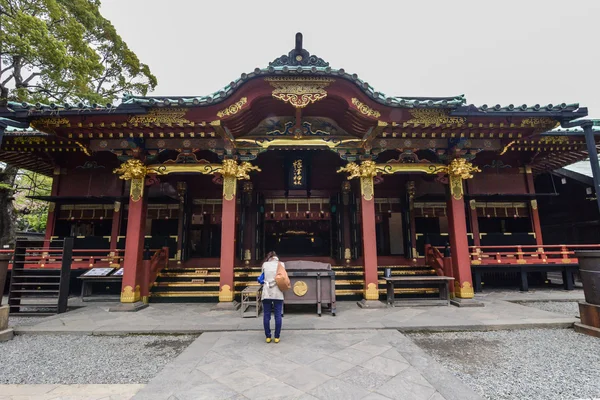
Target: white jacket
(270, 289)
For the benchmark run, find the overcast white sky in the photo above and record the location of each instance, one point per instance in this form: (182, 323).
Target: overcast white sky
(503, 51)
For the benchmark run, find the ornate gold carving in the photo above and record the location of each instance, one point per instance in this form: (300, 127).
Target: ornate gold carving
(534, 204)
(365, 109)
(225, 294)
(462, 168)
(128, 295)
(45, 122)
(117, 206)
(135, 171)
(458, 170)
(299, 92)
(555, 140)
(545, 123)
(428, 116)
(161, 116)
(131, 169)
(464, 291)
(371, 292)
(366, 171)
(233, 109)
(473, 204)
(29, 140)
(229, 187)
(297, 172)
(300, 288)
(239, 171)
(145, 299)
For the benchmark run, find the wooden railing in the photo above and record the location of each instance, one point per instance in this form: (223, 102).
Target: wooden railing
(527, 254)
(435, 259)
(51, 258)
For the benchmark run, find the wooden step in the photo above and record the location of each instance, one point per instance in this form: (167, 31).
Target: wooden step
(185, 294)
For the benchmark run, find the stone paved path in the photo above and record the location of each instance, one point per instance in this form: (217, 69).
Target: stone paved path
(344, 365)
(498, 313)
(68, 392)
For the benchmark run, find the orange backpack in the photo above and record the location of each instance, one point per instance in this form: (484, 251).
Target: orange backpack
(282, 279)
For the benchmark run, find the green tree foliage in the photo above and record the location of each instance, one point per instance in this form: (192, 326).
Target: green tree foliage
(31, 214)
(64, 50)
(56, 51)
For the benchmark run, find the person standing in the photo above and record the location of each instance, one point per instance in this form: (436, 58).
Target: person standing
(272, 296)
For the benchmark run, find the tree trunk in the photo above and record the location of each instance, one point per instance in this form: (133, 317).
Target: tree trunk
(7, 210)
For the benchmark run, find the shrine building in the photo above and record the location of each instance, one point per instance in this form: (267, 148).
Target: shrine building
(301, 158)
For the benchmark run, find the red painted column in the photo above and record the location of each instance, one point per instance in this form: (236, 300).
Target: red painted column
(459, 245)
(534, 214)
(367, 207)
(226, 283)
(51, 221)
(135, 171)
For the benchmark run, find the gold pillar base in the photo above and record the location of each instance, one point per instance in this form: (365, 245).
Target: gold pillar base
(371, 292)
(464, 291)
(225, 294)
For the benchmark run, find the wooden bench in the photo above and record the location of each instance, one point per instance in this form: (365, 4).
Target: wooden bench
(251, 297)
(567, 271)
(440, 282)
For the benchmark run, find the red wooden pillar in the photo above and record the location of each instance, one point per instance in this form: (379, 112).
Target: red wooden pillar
(459, 245)
(226, 284)
(367, 207)
(135, 171)
(51, 221)
(534, 214)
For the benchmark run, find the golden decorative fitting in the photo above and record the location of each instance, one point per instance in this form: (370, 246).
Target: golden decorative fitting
(371, 292)
(225, 294)
(464, 291)
(117, 206)
(231, 168)
(145, 299)
(554, 140)
(346, 187)
(247, 187)
(300, 288)
(365, 109)
(135, 171)
(534, 204)
(297, 91)
(131, 169)
(411, 189)
(458, 170)
(51, 206)
(46, 122)
(462, 168)
(29, 140)
(366, 171)
(347, 255)
(247, 256)
(473, 204)
(128, 295)
(427, 116)
(233, 109)
(161, 116)
(545, 123)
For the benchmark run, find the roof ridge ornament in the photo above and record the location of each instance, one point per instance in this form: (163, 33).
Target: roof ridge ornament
(299, 56)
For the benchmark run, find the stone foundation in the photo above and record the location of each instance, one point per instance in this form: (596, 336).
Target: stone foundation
(5, 332)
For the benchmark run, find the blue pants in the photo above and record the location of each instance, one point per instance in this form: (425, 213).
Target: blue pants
(275, 306)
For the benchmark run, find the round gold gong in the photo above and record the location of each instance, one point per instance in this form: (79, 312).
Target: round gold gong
(300, 288)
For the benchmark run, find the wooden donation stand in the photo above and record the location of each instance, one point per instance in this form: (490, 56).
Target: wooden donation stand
(312, 283)
(96, 275)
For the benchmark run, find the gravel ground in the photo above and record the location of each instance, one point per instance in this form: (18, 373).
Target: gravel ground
(76, 359)
(533, 364)
(23, 321)
(570, 308)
